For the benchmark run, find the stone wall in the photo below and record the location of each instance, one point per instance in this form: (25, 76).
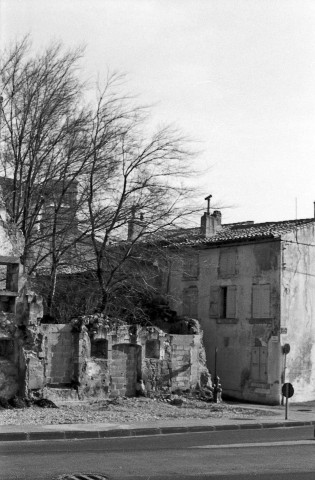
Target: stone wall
(109, 362)
(180, 364)
(72, 361)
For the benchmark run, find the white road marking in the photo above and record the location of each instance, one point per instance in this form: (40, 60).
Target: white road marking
(264, 444)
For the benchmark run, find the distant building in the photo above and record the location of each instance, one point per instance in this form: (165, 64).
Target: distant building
(252, 286)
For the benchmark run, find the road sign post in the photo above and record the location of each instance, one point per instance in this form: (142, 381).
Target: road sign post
(285, 350)
(287, 392)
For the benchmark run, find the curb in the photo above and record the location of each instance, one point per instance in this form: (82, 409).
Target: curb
(133, 432)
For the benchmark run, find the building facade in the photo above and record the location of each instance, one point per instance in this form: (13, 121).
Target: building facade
(252, 287)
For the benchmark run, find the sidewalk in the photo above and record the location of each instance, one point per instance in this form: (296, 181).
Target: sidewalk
(301, 414)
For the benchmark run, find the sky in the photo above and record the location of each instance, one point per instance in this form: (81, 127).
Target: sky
(237, 76)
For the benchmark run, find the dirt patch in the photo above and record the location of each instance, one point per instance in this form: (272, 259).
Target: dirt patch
(126, 410)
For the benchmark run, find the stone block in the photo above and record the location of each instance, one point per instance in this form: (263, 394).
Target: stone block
(35, 373)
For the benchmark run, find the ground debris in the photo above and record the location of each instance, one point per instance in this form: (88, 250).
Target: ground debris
(127, 410)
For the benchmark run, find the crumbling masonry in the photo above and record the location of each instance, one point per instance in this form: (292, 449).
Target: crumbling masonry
(89, 357)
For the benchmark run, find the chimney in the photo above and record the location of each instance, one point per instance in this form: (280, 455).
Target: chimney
(210, 223)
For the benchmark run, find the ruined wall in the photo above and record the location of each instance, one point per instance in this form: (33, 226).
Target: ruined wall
(8, 357)
(298, 311)
(174, 362)
(248, 348)
(12, 364)
(110, 361)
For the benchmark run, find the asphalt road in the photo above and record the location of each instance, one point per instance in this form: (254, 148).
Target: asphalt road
(271, 454)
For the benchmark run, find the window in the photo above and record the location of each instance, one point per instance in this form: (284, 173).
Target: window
(190, 302)
(223, 302)
(259, 364)
(9, 275)
(261, 301)
(6, 347)
(191, 266)
(99, 348)
(227, 262)
(152, 349)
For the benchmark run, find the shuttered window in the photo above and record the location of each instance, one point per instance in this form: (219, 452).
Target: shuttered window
(259, 364)
(227, 262)
(261, 301)
(190, 302)
(223, 302)
(214, 302)
(191, 266)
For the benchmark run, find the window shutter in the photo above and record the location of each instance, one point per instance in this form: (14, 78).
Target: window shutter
(190, 302)
(227, 263)
(214, 301)
(231, 302)
(191, 266)
(259, 364)
(261, 301)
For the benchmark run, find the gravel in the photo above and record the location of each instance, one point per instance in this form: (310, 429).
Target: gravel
(128, 410)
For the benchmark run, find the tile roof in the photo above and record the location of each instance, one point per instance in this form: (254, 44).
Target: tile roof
(232, 232)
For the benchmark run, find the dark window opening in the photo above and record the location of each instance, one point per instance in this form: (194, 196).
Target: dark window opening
(6, 347)
(152, 349)
(99, 348)
(228, 302)
(7, 304)
(223, 303)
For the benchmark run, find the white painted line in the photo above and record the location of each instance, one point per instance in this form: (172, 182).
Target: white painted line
(266, 444)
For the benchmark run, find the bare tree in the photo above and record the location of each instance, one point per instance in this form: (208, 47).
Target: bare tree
(135, 183)
(78, 175)
(42, 134)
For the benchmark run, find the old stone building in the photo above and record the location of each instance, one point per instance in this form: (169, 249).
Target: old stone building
(252, 286)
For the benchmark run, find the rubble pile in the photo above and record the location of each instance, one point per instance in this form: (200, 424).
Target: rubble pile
(127, 410)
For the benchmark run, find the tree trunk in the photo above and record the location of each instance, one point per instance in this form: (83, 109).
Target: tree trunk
(52, 290)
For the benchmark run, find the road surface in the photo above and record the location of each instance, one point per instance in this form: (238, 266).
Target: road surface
(266, 454)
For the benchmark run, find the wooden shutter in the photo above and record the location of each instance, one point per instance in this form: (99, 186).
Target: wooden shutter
(261, 301)
(191, 266)
(190, 302)
(227, 262)
(214, 302)
(259, 364)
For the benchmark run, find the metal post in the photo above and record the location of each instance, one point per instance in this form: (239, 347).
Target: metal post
(286, 401)
(285, 366)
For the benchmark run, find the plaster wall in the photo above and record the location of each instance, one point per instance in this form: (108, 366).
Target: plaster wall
(298, 311)
(236, 338)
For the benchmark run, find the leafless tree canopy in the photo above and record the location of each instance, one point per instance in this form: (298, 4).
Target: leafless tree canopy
(77, 173)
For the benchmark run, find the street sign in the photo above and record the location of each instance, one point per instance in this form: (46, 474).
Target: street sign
(287, 390)
(286, 348)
